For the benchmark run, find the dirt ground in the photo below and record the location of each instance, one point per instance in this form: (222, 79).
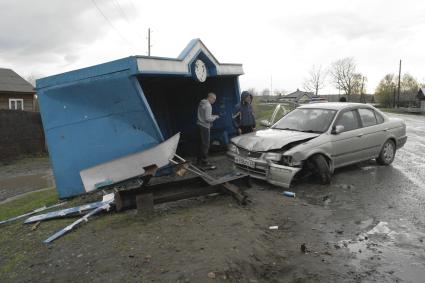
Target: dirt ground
(367, 226)
(25, 175)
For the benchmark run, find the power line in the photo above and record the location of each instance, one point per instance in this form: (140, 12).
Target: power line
(117, 4)
(121, 10)
(132, 4)
(110, 23)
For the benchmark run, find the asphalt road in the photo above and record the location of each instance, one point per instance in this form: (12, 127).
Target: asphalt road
(380, 212)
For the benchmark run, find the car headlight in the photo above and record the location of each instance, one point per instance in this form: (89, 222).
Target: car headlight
(273, 156)
(287, 160)
(233, 148)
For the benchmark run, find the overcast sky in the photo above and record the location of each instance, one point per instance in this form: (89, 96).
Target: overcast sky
(272, 39)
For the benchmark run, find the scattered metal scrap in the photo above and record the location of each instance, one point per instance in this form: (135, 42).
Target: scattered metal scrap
(144, 196)
(70, 211)
(31, 213)
(105, 206)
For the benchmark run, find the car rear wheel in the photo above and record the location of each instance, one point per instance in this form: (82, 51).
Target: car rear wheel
(387, 154)
(323, 172)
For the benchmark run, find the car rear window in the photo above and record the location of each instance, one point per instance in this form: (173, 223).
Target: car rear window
(368, 117)
(348, 120)
(379, 118)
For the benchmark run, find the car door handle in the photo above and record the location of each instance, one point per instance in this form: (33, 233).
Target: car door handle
(360, 135)
(386, 130)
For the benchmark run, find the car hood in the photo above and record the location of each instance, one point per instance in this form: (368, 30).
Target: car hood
(270, 139)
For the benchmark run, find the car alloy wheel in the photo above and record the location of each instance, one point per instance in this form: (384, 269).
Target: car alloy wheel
(388, 151)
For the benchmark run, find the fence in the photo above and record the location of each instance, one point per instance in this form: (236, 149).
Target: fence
(21, 133)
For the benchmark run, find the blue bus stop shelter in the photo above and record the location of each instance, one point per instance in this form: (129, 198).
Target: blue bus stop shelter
(103, 112)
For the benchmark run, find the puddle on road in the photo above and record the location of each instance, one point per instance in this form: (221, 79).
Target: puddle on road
(400, 254)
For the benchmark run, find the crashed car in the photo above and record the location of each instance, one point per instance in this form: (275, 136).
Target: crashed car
(318, 138)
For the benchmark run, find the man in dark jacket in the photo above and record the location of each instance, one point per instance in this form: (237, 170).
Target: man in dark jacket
(244, 118)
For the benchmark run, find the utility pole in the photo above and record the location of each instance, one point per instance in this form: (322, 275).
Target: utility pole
(394, 97)
(362, 98)
(399, 78)
(149, 42)
(271, 85)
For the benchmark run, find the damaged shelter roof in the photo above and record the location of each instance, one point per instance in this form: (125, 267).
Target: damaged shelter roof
(12, 82)
(151, 65)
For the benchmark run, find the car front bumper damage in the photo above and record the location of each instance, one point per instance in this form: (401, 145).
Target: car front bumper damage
(271, 172)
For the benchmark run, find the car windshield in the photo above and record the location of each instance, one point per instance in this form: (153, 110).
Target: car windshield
(306, 120)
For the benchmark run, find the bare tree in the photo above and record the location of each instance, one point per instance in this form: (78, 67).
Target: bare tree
(385, 90)
(315, 80)
(358, 83)
(253, 91)
(265, 92)
(343, 73)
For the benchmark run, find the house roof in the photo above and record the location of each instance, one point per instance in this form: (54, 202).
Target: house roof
(12, 82)
(421, 93)
(298, 94)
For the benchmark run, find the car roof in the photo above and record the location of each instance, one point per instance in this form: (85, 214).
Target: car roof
(334, 105)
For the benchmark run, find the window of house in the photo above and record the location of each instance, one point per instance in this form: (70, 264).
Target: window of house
(368, 117)
(16, 104)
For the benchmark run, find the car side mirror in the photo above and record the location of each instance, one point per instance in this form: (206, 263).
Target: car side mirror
(337, 129)
(265, 123)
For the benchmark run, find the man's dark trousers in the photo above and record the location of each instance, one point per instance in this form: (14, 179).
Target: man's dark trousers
(204, 145)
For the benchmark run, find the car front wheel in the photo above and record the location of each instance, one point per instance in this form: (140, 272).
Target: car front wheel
(387, 154)
(323, 172)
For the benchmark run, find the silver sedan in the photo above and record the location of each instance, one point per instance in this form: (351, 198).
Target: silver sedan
(317, 138)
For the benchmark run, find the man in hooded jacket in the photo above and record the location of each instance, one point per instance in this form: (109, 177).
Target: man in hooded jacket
(244, 118)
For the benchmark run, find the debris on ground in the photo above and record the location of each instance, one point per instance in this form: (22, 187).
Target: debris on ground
(70, 211)
(211, 275)
(380, 228)
(326, 200)
(289, 194)
(105, 206)
(273, 227)
(303, 248)
(31, 213)
(143, 196)
(35, 226)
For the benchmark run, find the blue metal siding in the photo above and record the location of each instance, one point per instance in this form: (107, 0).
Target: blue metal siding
(93, 121)
(227, 98)
(119, 65)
